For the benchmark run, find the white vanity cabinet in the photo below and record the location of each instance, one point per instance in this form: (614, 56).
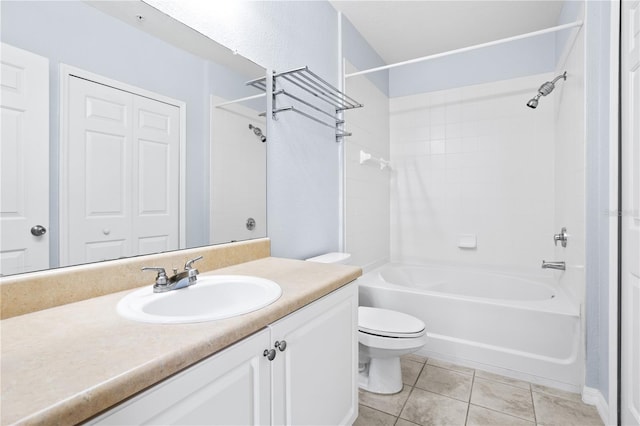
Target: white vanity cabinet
(315, 377)
(310, 381)
(229, 388)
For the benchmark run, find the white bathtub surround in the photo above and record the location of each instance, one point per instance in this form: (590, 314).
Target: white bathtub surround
(473, 160)
(517, 326)
(367, 186)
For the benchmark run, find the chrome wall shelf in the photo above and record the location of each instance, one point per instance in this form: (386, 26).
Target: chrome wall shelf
(333, 100)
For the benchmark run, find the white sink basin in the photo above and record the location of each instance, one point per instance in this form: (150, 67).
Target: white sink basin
(211, 298)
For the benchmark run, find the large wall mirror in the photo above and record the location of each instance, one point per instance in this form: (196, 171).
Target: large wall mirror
(124, 133)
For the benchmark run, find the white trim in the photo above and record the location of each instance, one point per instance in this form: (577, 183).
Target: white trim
(468, 48)
(342, 152)
(268, 80)
(613, 207)
(594, 397)
(182, 242)
(68, 71)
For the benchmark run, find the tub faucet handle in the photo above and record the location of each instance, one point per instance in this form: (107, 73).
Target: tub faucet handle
(562, 237)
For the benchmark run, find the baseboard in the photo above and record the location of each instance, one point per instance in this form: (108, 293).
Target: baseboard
(594, 397)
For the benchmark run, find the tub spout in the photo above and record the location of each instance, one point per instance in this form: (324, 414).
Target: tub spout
(553, 265)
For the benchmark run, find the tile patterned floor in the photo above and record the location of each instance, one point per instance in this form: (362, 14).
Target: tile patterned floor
(439, 393)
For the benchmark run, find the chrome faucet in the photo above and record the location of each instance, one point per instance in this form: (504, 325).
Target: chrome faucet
(554, 265)
(177, 280)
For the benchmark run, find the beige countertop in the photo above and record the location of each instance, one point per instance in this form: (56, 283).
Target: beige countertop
(65, 364)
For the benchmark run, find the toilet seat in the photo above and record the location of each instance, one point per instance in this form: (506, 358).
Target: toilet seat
(387, 323)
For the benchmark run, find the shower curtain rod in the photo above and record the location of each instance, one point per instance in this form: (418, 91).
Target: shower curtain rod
(235, 101)
(466, 49)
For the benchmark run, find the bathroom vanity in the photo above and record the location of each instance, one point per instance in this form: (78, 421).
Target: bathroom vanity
(292, 362)
(298, 370)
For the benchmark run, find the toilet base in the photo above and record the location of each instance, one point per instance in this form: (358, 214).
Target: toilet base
(381, 375)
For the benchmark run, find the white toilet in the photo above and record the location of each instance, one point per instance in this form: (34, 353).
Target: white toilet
(384, 336)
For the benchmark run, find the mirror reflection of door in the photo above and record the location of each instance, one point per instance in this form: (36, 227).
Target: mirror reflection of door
(124, 198)
(24, 156)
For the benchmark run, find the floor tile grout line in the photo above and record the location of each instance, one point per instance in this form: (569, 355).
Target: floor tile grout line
(503, 413)
(441, 394)
(405, 404)
(411, 391)
(533, 405)
(473, 379)
(412, 388)
(375, 409)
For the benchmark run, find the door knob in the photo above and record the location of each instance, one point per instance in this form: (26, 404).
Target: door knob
(38, 231)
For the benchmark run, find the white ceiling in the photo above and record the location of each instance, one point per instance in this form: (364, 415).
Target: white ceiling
(402, 30)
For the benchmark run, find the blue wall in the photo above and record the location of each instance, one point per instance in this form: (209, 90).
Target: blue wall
(598, 74)
(505, 61)
(303, 167)
(361, 55)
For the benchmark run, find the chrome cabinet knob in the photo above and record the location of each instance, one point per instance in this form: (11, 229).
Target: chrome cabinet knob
(270, 354)
(38, 231)
(281, 345)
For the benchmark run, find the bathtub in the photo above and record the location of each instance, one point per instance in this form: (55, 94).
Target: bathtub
(510, 324)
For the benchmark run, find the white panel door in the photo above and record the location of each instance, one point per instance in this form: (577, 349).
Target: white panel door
(156, 179)
(122, 175)
(24, 156)
(630, 85)
(314, 378)
(98, 224)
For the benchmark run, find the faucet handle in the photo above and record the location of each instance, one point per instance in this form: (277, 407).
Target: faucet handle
(161, 278)
(187, 265)
(562, 237)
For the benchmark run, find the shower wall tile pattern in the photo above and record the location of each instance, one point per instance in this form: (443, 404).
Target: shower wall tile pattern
(473, 160)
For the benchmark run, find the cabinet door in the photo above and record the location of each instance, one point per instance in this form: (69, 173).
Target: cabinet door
(230, 388)
(314, 378)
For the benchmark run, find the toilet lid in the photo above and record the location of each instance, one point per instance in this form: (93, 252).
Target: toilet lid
(383, 322)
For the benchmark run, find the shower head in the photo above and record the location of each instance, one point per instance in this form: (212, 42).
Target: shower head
(545, 89)
(258, 132)
(533, 102)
